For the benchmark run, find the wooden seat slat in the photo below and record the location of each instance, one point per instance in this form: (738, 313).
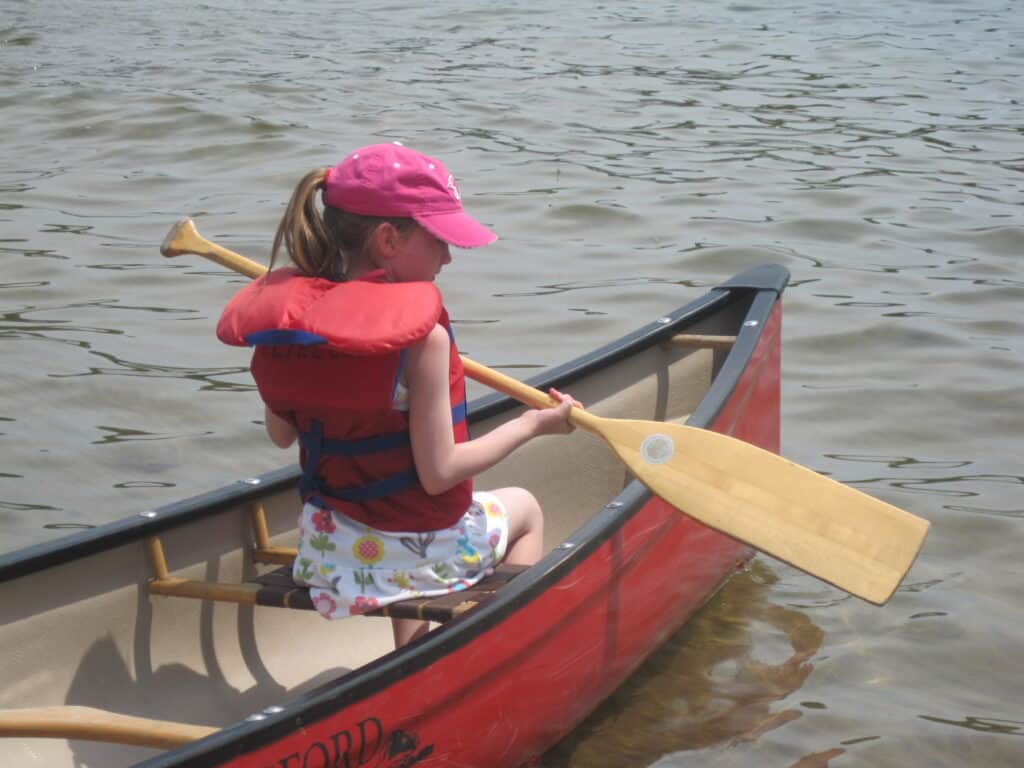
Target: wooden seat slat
(277, 589)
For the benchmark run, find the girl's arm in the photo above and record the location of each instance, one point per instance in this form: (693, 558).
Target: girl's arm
(441, 462)
(282, 432)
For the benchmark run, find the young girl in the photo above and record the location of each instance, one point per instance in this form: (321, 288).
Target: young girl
(355, 359)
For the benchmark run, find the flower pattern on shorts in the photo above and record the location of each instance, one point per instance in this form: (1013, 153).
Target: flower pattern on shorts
(352, 568)
(323, 521)
(368, 549)
(362, 605)
(324, 604)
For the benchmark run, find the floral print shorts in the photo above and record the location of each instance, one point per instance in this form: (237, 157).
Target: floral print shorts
(352, 568)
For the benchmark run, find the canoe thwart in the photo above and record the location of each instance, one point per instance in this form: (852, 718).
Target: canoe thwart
(263, 551)
(274, 555)
(701, 341)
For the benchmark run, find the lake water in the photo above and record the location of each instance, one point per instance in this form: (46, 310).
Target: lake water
(630, 155)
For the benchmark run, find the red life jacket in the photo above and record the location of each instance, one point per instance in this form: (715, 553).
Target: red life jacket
(329, 358)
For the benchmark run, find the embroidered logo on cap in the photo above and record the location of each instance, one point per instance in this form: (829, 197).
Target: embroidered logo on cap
(453, 188)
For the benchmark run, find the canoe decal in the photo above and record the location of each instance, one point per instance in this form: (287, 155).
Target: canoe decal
(365, 745)
(657, 449)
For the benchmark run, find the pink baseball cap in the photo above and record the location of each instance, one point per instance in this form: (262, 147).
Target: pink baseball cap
(392, 181)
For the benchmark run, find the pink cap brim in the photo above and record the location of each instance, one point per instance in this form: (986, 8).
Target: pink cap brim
(456, 228)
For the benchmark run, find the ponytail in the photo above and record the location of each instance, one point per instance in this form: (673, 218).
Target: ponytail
(306, 235)
(326, 245)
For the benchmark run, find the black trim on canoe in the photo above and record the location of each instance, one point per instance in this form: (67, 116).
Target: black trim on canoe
(767, 277)
(767, 283)
(24, 562)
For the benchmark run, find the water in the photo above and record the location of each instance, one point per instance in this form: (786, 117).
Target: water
(630, 155)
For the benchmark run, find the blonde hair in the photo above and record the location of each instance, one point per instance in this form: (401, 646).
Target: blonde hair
(325, 245)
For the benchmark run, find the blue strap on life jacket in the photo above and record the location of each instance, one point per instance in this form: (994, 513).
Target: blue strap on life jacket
(283, 336)
(379, 489)
(314, 440)
(315, 446)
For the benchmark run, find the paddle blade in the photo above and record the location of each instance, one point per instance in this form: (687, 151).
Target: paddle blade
(833, 532)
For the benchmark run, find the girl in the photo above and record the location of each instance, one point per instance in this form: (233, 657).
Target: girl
(355, 359)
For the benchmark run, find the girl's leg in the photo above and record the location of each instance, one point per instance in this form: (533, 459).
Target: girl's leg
(525, 524)
(407, 630)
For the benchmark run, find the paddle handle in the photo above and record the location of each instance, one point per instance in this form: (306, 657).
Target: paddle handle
(184, 238)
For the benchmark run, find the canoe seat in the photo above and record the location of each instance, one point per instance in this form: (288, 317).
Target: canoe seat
(278, 590)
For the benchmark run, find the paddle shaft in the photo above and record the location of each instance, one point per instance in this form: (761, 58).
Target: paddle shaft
(526, 394)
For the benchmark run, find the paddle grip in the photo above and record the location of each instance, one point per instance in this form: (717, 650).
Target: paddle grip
(185, 238)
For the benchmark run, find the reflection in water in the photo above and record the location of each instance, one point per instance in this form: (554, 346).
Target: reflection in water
(614, 283)
(126, 434)
(961, 485)
(983, 724)
(68, 526)
(144, 484)
(7, 505)
(713, 683)
(207, 378)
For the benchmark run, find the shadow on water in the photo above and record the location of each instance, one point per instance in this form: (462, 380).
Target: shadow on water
(712, 684)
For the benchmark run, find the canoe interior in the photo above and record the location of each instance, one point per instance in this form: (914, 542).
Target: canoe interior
(87, 632)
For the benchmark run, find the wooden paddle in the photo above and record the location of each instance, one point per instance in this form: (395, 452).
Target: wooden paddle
(831, 531)
(98, 725)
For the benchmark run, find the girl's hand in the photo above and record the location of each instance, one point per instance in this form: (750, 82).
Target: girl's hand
(554, 421)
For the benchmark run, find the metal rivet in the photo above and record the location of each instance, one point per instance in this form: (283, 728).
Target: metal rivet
(664, 320)
(613, 505)
(565, 545)
(751, 324)
(251, 481)
(273, 710)
(256, 717)
(148, 513)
